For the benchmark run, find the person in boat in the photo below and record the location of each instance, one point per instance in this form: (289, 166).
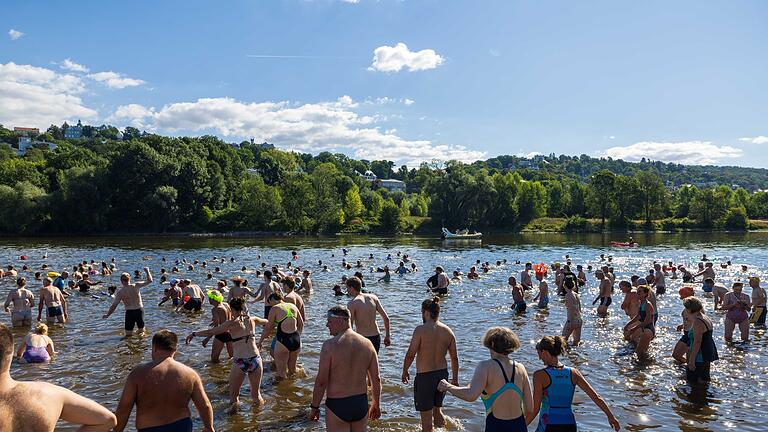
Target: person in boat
(501, 382)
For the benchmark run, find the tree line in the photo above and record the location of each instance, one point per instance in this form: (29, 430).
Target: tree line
(153, 183)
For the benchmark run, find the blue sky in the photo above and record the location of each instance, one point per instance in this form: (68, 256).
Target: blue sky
(404, 80)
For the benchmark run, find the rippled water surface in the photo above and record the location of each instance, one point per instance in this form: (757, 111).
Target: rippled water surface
(94, 356)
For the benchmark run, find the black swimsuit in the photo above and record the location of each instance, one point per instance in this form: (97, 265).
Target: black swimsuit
(292, 341)
(349, 409)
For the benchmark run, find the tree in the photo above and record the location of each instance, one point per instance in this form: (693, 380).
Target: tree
(558, 199)
(373, 202)
(600, 193)
(708, 209)
(653, 195)
(627, 196)
(686, 196)
(531, 201)
(24, 209)
(391, 219)
(353, 205)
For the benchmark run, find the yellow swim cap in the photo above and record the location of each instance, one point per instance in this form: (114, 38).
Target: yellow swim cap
(215, 296)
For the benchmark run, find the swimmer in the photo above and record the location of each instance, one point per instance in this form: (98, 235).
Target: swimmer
(130, 295)
(703, 349)
(758, 302)
(84, 285)
(573, 320)
(683, 345)
(543, 295)
(553, 389)
(518, 296)
(456, 278)
(53, 300)
(265, 289)
(246, 357)
(501, 382)
(430, 343)
(191, 296)
(337, 291)
(289, 287)
(402, 269)
(238, 289)
(442, 282)
(162, 390)
(707, 272)
(604, 295)
(347, 361)
(737, 304)
(658, 280)
(37, 346)
(363, 309)
(22, 300)
(472, 274)
(525, 277)
(718, 291)
(173, 293)
(220, 313)
(387, 276)
(306, 283)
(286, 345)
(642, 328)
(631, 300)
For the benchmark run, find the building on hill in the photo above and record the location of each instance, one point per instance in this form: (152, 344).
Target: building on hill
(26, 143)
(369, 175)
(74, 132)
(26, 131)
(391, 185)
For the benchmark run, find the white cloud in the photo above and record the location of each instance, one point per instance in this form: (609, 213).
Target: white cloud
(407, 101)
(38, 97)
(386, 100)
(393, 59)
(755, 140)
(115, 80)
(15, 34)
(310, 127)
(72, 66)
(688, 152)
(351, 1)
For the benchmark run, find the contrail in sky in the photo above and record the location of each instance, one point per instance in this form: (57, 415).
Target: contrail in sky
(269, 56)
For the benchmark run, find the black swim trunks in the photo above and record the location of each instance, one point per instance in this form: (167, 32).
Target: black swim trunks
(194, 304)
(349, 409)
(605, 301)
(376, 341)
(134, 317)
(54, 311)
(440, 291)
(425, 393)
(183, 425)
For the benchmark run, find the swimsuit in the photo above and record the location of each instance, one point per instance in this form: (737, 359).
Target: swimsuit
(376, 341)
(134, 317)
(707, 354)
(556, 412)
(425, 393)
(224, 337)
(543, 302)
(605, 301)
(292, 341)
(249, 364)
(493, 424)
(33, 354)
(349, 409)
(183, 425)
(195, 304)
(520, 306)
(27, 315)
(54, 311)
(758, 316)
(267, 308)
(641, 312)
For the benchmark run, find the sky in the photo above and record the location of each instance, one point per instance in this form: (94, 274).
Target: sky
(403, 80)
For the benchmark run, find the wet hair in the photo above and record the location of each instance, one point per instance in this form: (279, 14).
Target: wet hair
(6, 347)
(165, 340)
(501, 340)
(644, 288)
(237, 304)
(355, 283)
(289, 282)
(275, 296)
(693, 304)
(41, 329)
(625, 283)
(20, 282)
(432, 306)
(267, 274)
(569, 282)
(555, 345)
(111, 289)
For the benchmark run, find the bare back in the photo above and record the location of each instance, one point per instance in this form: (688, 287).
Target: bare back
(350, 357)
(163, 392)
(363, 314)
(434, 340)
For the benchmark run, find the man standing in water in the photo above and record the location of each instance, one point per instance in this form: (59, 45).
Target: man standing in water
(265, 289)
(162, 390)
(605, 294)
(758, 302)
(362, 310)
(37, 406)
(525, 277)
(573, 307)
(130, 295)
(430, 343)
(54, 302)
(346, 362)
(191, 296)
(659, 282)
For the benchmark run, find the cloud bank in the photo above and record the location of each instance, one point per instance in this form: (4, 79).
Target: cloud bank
(687, 153)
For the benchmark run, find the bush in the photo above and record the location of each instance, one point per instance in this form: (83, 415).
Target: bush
(736, 218)
(575, 224)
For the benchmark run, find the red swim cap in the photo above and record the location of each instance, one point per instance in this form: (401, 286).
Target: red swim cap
(686, 291)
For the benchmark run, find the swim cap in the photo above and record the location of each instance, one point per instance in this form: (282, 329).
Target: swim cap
(755, 278)
(215, 296)
(174, 281)
(53, 274)
(686, 291)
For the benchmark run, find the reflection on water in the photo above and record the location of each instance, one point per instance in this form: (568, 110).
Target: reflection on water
(645, 394)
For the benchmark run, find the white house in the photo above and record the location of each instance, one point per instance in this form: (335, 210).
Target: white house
(391, 185)
(26, 143)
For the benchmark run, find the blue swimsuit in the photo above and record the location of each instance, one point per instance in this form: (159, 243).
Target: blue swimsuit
(556, 402)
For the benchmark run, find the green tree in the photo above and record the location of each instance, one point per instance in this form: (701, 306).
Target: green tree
(628, 197)
(531, 201)
(24, 209)
(373, 202)
(353, 205)
(391, 219)
(685, 196)
(653, 195)
(600, 194)
(559, 199)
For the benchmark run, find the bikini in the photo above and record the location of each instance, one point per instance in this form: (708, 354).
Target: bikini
(247, 364)
(493, 424)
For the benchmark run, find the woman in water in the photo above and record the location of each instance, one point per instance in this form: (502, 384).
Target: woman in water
(683, 345)
(493, 380)
(553, 389)
(641, 328)
(246, 360)
(703, 350)
(37, 346)
(287, 342)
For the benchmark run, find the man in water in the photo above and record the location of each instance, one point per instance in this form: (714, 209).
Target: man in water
(442, 282)
(525, 277)
(59, 281)
(265, 289)
(162, 390)
(191, 296)
(54, 302)
(22, 300)
(659, 282)
(306, 283)
(518, 295)
(604, 295)
(631, 301)
(430, 343)
(37, 406)
(238, 290)
(362, 311)
(347, 360)
(758, 302)
(707, 273)
(130, 295)
(573, 320)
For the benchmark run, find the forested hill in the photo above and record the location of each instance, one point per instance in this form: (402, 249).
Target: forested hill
(673, 175)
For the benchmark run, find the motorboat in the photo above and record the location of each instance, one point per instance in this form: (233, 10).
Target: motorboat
(460, 235)
(624, 244)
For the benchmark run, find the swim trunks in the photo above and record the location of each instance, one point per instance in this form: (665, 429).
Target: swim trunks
(376, 341)
(194, 304)
(758, 316)
(176, 302)
(520, 306)
(605, 301)
(54, 311)
(349, 409)
(425, 393)
(134, 317)
(183, 425)
(543, 302)
(661, 290)
(248, 365)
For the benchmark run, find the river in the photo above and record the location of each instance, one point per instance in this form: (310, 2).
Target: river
(95, 357)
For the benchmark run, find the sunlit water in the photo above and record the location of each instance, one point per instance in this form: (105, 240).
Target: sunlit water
(94, 357)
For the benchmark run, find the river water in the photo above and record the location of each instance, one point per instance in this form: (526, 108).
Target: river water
(95, 357)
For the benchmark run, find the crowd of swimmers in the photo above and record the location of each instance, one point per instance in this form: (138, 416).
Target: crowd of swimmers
(348, 376)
